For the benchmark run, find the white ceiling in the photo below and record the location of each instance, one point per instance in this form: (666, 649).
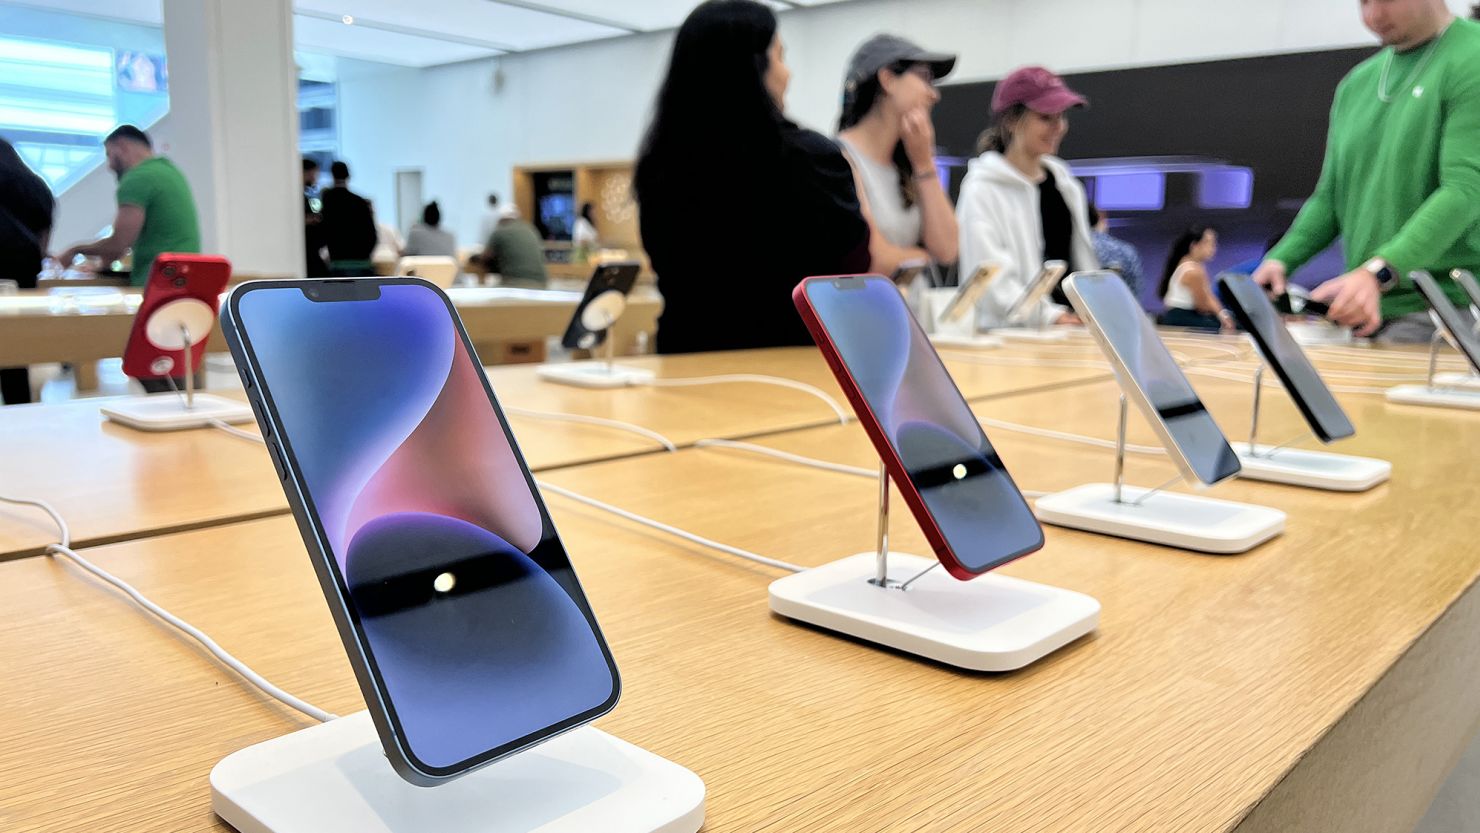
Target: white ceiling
(422, 33)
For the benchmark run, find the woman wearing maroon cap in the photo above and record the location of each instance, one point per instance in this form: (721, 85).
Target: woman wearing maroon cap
(1020, 205)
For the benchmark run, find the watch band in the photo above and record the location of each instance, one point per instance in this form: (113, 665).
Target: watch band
(1387, 277)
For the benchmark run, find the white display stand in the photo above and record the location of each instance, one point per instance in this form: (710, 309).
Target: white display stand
(178, 325)
(598, 317)
(1188, 522)
(1313, 469)
(594, 374)
(169, 413)
(1298, 467)
(1435, 393)
(334, 778)
(1465, 381)
(990, 623)
(1436, 397)
(1054, 333)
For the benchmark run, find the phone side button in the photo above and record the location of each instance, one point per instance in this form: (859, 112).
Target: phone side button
(262, 423)
(277, 461)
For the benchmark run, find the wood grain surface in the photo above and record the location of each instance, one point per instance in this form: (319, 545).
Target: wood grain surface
(1210, 683)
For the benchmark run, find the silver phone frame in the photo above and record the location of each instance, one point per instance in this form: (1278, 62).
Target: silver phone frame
(974, 288)
(1456, 340)
(1049, 276)
(1127, 381)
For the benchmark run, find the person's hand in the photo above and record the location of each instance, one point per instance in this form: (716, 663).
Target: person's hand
(1271, 275)
(1226, 324)
(918, 136)
(1353, 299)
(1067, 319)
(66, 258)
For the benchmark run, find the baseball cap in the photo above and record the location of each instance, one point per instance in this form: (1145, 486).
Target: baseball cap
(1038, 89)
(882, 51)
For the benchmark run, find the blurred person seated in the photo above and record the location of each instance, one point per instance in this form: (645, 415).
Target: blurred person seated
(1115, 254)
(785, 195)
(1186, 288)
(515, 252)
(428, 237)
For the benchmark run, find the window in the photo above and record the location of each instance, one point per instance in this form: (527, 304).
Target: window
(59, 99)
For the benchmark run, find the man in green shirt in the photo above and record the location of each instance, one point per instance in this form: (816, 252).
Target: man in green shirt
(1401, 180)
(515, 252)
(156, 212)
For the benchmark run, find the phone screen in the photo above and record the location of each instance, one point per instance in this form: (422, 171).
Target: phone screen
(1258, 316)
(1123, 329)
(951, 464)
(1460, 334)
(465, 604)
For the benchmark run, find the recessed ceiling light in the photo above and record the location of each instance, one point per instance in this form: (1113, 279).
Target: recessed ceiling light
(349, 20)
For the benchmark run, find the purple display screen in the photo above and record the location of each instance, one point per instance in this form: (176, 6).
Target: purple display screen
(464, 601)
(970, 496)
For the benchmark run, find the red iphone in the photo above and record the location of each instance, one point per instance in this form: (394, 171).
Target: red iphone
(930, 441)
(179, 309)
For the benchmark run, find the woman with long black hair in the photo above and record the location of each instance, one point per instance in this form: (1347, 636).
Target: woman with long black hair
(26, 207)
(738, 204)
(1186, 288)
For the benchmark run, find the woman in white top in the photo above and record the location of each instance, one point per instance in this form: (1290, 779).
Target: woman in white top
(1186, 288)
(886, 133)
(583, 236)
(1020, 205)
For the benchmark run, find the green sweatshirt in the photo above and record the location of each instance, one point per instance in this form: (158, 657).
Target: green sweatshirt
(1401, 180)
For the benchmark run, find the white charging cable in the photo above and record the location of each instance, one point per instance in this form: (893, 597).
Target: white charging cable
(754, 378)
(671, 530)
(857, 471)
(591, 420)
(235, 431)
(65, 549)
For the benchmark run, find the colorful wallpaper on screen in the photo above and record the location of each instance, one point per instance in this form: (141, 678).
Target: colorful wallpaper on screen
(981, 514)
(471, 613)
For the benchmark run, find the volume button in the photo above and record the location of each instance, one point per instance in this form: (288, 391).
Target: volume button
(262, 422)
(277, 461)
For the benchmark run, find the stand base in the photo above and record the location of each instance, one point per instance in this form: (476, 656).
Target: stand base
(1462, 397)
(969, 341)
(594, 374)
(991, 623)
(1054, 333)
(1314, 469)
(1466, 381)
(334, 778)
(1316, 333)
(1175, 520)
(161, 412)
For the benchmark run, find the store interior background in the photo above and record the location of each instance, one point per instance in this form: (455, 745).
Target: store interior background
(423, 88)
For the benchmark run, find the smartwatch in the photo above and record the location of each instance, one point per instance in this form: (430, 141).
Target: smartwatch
(1387, 278)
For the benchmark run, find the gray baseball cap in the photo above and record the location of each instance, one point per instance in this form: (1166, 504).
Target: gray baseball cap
(882, 51)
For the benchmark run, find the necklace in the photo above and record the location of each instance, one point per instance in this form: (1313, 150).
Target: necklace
(1383, 94)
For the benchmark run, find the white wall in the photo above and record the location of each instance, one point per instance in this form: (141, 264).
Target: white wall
(591, 102)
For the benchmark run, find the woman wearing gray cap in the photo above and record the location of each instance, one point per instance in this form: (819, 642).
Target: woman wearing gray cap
(886, 132)
(1020, 205)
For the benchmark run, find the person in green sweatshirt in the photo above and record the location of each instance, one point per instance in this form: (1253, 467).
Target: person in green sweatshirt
(1401, 180)
(156, 212)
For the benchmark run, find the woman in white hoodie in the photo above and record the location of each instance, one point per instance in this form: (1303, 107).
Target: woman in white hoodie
(1020, 205)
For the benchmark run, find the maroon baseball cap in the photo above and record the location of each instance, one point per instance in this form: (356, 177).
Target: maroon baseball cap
(1038, 89)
